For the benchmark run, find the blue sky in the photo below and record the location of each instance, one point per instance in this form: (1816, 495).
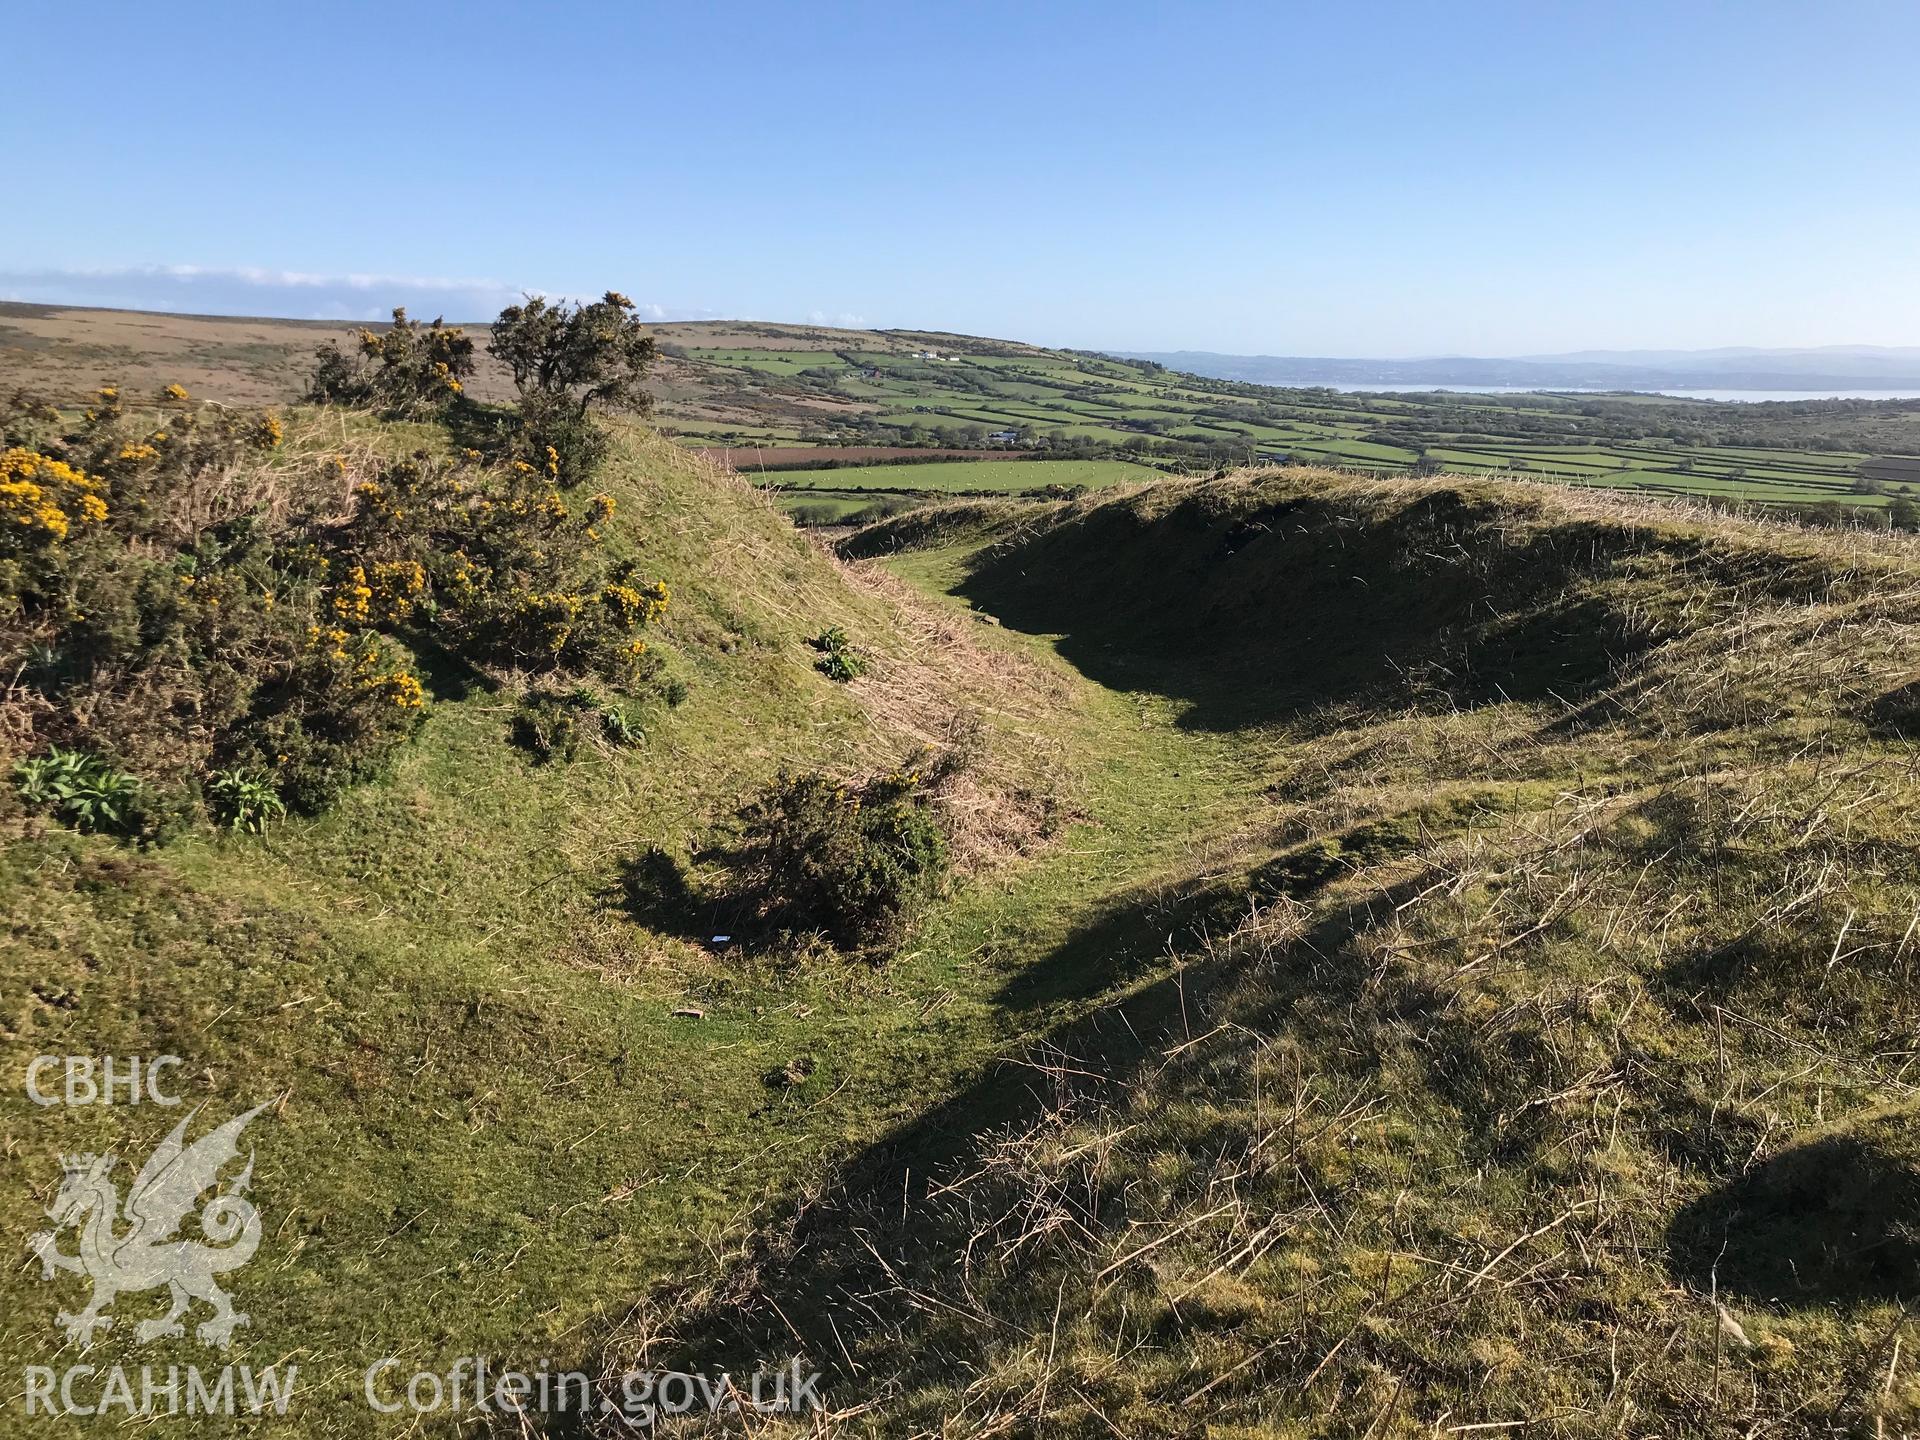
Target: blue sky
(1356, 179)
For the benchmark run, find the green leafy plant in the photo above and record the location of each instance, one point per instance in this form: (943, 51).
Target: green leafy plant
(582, 357)
(244, 800)
(80, 789)
(837, 661)
(620, 727)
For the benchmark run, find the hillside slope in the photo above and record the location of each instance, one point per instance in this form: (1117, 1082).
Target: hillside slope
(502, 1098)
(1536, 1058)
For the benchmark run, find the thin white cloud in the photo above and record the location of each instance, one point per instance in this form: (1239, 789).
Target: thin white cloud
(290, 294)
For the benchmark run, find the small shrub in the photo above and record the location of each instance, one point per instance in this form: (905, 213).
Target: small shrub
(79, 789)
(810, 516)
(854, 862)
(837, 658)
(244, 800)
(28, 422)
(674, 692)
(167, 598)
(506, 569)
(547, 727)
(567, 447)
(163, 602)
(335, 719)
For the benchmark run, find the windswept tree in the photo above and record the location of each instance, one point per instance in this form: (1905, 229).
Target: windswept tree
(568, 362)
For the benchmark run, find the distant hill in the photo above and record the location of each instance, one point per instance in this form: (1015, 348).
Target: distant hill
(1838, 367)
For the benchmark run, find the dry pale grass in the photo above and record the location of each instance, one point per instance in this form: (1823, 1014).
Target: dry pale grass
(934, 684)
(940, 688)
(1476, 1103)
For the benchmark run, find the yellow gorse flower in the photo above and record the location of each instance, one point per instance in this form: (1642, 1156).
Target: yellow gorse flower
(400, 689)
(633, 606)
(42, 498)
(333, 640)
(354, 599)
(398, 584)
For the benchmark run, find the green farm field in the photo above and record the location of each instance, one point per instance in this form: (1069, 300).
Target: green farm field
(855, 494)
(963, 476)
(729, 385)
(882, 389)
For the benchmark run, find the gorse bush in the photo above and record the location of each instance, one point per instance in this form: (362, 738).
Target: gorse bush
(176, 594)
(853, 862)
(407, 370)
(159, 618)
(576, 359)
(569, 447)
(568, 362)
(499, 565)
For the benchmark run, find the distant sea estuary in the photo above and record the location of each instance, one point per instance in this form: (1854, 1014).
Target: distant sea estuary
(1749, 397)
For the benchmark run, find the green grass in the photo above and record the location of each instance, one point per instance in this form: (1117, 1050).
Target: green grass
(1471, 940)
(843, 504)
(961, 476)
(1616, 442)
(493, 1131)
(1527, 1050)
(464, 1026)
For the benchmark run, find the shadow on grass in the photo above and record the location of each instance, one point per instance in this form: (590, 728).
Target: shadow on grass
(657, 891)
(1257, 614)
(821, 1275)
(1130, 936)
(1832, 1221)
(475, 425)
(444, 674)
